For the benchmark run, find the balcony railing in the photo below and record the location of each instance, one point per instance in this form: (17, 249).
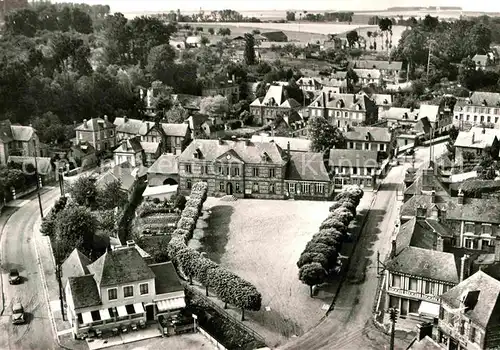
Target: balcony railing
(413, 294)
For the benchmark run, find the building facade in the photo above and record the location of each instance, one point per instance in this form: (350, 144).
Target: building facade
(17, 140)
(274, 103)
(353, 167)
(480, 109)
(130, 151)
(98, 132)
(369, 138)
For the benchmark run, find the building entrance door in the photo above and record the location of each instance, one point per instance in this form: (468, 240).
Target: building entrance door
(229, 188)
(404, 307)
(150, 312)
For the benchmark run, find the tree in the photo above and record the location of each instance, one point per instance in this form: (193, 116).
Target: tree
(75, 228)
(290, 16)
(117, 36)
(312, 274)
(50, 129)
(352, 37)
(211, 31)
(177, 114)
(204, 41)
(255, 31)
(111, 196)
(351, 78)
(309, 257)
(467, 73)
(161, 62)
(214, 106)
(224, 31)
(249, 49)
(323, 135)
(81, 21)
(22, 22)
(84, 191)
(430, 23)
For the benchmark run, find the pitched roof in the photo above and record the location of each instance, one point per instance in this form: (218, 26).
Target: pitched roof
(420, 233)
(296, 144)
(483, 305)
(367, 73)
(249, 152)
(432, 178)
(166, 278)
(150, 147)
(75, 265)
(180, 130)
(95, 124)
(477, 138)
(427, 343)
(119, 267)
(409, 208)
(423, 125)
(307, 166)
(166, 164)
(353, 157)
(275, 95)
(381, 99)
(275, 36)
(484, 210)
(305, 81)
(121, 172)
(131, 145)
(132, 126)
(84, 147)
(429, 111)
(5, 131)
(84, 291)
(44, 165)
(425, 263)
(368, 133)
(327, 98)
(400, 114)
(385, 65)
(22, 133)
(480, 98)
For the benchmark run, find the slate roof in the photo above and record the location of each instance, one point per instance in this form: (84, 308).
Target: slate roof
(132, 145)
(84, 291)
(119, 267)
(426, 343)
(250, 152)
(423, 125)
(307, 166)
(44, 165)
(385, 65)
(275, 94)
(478, 138)
(381, 99)
(83, 147)
(296, 144)
(75, 265)
(486, 311)
(400, 114)
(353, 157)
(95, 124)
(329, 99)
(166, 278)
(180, 130)
(130, 126)
(278, 36)
(165, 164)
(368, 133)
(187, 101)
(367, 73)
(150, 147)
(425, 263)
(22, 133)
(484, 210)
(121, 172)
(437, 184)
(478, 98)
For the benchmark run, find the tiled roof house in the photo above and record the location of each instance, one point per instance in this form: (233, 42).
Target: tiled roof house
(274, 102)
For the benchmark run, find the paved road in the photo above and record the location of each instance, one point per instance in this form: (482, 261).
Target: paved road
(18, 251)
(349, 325)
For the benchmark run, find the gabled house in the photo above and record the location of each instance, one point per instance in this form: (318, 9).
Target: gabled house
(82, 155)
(119, 290)
(99, 132)
(199, 124)
(230, 89)
(343, 109)
(480, 109)
(152, 151)
(127, 128)
(469, 316)
(131, 151)
(309, 84)
(369, 76)
(176, 137)
(307, 177)
(482, 61)
(353, 167)
(240, 168)
(470, 145)
(432, 113)
(368, 138)
(389, 69)
(188, 102)
(122, 172)
(164, 171)
(17, 140)
(274, 103)
(276, 36)
(396, 116)
(46, 169)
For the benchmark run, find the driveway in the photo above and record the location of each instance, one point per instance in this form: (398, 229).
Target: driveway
(349, 325)
(17, 250)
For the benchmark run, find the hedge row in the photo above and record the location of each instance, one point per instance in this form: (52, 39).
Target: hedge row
(230, 288)
(47, 227)
(320, 256)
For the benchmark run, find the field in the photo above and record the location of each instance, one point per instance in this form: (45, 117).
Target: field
(261, 241)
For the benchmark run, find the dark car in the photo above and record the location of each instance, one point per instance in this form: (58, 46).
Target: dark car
(410, 152)
(14, 277)
(18, 313)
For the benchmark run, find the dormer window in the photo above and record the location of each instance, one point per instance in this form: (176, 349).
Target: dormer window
(264, 156)
(386, 102)
(318, 103)
(484, 103)
(197, 153)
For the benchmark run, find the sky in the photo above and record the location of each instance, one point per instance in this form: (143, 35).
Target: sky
(282, 5)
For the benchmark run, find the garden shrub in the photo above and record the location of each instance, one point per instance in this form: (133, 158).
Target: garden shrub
(186, 223)
(191, 212)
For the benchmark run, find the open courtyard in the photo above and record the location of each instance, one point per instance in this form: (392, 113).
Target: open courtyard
(261, 241)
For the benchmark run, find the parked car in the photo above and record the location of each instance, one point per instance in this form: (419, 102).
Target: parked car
(410, 152)
(14, 277)
(18, 313)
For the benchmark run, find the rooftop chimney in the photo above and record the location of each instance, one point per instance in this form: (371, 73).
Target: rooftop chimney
(288, 148)
(464, 267)
(440, 244)
(433, 196)
(497, 251)
(423, 330)
(85, 123)
(393, 248)
(125, 119)
(484, 130)
(461, 197)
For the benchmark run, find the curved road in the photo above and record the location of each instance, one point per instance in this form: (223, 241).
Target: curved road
(17, 249)
(349, 325)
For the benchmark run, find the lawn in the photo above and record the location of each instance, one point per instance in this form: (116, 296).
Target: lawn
(261, 241)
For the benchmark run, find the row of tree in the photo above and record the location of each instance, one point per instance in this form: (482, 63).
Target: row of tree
(230, 288)
(321, 254)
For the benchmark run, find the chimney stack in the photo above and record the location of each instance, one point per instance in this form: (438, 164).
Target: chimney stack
(423, 330)
(497, 251)
(85, 123)
(484, 130)
(125, 119)
(464, 267)
(288, 148)
(433, 196)
(393, 248)
(461, 197)
(440, 244)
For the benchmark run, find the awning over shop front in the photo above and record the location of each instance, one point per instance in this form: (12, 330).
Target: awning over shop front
(429, 309)
(171, 304)
(87, 318)
(105, 314)
(122, 311)
(139, 309)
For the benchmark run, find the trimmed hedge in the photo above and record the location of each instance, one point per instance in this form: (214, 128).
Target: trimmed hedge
(320, 255)
(229, 287)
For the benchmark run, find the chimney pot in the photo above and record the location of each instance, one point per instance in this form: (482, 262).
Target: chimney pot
(461, 197)
(440, 244)
(464, 267)
(393, 248)
(130, 243)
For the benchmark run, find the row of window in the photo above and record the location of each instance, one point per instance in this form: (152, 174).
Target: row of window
(222, 170)
(306, 188)
(481, 120)
(255, 187)
(354, 170)
(338, 114)
(484, 110)
(359, 146)
(128, 291)
(485, 228)
(464, 328)
(429, 288)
